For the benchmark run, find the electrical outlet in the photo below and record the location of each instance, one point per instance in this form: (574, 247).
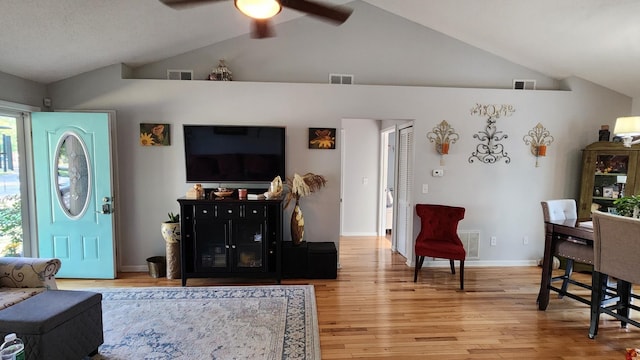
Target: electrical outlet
(437, 172)
(494, 241)
(525, 240)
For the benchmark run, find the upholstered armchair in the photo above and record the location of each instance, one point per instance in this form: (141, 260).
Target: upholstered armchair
(21, 278)
(616, 245)
(438, 237)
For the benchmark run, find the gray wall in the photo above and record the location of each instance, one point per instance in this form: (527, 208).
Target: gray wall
(21, 91)
(377, 47)
(428, 78)
(502, 200)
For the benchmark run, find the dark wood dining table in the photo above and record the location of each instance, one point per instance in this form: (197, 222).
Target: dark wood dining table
(570, 232)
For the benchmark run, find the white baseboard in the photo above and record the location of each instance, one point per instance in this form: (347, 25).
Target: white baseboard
(134, 268)
(483, 263)
(359, 234)
(437, 263)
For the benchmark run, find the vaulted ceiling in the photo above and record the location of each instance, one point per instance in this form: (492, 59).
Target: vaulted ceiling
(597, 40)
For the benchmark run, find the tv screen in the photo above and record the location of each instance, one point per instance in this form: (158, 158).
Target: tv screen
(234, 154)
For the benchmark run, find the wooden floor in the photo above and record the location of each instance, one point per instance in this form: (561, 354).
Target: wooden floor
(374, 310)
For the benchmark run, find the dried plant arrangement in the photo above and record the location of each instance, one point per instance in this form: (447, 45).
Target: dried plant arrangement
(300, 186)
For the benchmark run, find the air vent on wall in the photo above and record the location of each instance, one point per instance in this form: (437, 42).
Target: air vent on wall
(179, 74)
(344, 79)
(524, 84)
(471, 242)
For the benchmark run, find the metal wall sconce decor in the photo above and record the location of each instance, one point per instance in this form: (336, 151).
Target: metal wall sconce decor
(443, 136)
(490, 150)
(538, 139)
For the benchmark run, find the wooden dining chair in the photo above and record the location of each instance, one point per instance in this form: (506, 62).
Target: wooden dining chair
(438, 237)
(563, 209)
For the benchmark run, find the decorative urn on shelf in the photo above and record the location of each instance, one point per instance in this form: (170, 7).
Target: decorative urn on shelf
(221, 73)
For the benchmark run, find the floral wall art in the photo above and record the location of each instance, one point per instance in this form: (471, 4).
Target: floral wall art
(322, 138)
(155, 135)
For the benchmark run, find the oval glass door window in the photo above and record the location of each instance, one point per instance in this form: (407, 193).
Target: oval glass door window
(72, 175)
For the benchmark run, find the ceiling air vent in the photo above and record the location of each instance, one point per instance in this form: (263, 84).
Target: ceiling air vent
(344, 79)
(179, 74)
(524, 84)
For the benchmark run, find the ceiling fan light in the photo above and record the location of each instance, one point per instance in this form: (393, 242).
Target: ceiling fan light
(258, 9)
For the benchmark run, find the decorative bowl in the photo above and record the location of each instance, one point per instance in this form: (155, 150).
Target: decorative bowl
(223, 193)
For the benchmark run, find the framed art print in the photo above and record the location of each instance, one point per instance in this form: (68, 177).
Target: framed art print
(322, 138)
(155, 135)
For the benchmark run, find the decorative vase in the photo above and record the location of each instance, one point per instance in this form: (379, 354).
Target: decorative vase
(297, 225)
(171, 235)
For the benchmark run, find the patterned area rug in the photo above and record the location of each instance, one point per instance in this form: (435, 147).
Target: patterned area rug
(243, 322)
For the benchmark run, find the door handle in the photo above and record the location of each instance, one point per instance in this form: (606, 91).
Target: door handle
(106, 209)
(106, 206)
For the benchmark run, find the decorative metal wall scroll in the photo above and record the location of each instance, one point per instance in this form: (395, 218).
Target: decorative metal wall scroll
(490, 150)
(443, 135)
(538, 139)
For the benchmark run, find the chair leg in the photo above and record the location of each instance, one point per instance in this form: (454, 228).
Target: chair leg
(419, 261)
(567, 275)
(624, 291)
(461, 274)
(453, 269)
(598, 285)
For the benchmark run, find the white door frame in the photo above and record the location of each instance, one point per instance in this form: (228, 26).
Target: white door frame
(27, 190)
(384, 173)
(407, 229)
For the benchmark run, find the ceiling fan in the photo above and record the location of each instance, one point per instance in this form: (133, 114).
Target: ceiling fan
(261, 11)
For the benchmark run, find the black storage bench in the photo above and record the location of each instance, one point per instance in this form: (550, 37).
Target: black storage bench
(294, 260)
(322, 260)
(56, 324)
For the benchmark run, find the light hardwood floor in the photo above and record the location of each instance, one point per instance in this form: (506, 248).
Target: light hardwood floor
(374, 310)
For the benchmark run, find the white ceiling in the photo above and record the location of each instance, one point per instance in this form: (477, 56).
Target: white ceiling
(597, 40)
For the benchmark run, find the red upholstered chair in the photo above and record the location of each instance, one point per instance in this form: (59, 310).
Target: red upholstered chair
(438, 236)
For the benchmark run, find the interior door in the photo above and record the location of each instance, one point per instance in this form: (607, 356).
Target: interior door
(74, 199)
(404, 217)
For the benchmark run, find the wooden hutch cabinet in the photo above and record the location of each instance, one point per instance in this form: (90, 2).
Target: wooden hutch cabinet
(609, 171)
(230, 238)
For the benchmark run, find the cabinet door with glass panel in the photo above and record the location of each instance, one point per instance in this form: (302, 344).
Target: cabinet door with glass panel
(609, 171)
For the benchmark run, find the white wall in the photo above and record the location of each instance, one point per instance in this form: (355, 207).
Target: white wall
(502, 200)
(21, 91)
(360, 177)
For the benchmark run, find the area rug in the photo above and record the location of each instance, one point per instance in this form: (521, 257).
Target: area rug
(243, 322)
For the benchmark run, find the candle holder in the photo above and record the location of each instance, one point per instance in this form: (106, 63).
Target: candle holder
(443, 136)
(538, 140)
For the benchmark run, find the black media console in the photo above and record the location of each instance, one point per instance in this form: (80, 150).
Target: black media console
(230, 238)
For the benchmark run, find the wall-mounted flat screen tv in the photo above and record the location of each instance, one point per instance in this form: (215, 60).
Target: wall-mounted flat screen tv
(234, 154)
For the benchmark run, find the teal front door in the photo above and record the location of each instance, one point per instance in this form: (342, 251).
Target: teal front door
(74, 197)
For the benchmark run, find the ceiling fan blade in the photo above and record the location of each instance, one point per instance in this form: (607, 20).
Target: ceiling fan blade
(261, 28)
(183, 4)
(336, 14)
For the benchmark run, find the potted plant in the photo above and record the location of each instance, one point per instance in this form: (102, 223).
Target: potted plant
(171, 228)
(628, 206)
(171, 233)
(298, 187)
